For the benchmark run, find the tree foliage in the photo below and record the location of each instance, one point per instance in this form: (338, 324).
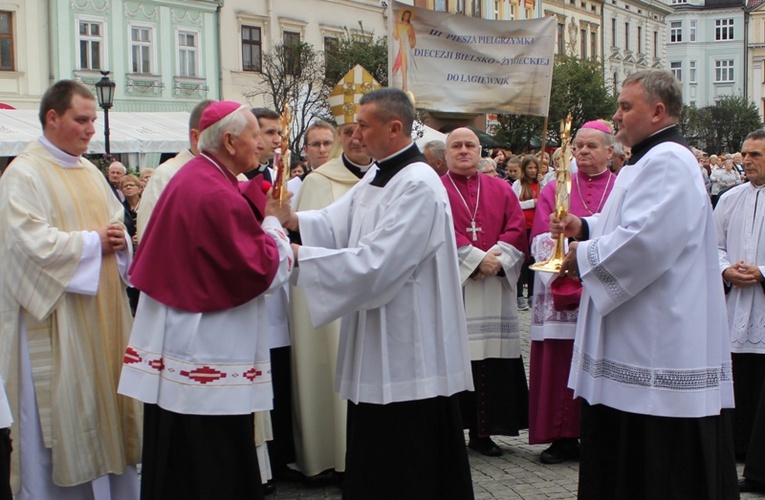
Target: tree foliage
(357, 48)
(720, 128)
(293, 74)
(578, 88)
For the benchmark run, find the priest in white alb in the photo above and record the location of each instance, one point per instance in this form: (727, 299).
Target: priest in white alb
(491, 244)
(651, 357)
(64, 313)
(383, 258)
(319, 413)
(739, 217)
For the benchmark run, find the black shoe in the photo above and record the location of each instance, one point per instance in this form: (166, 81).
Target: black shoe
(560, 451)
(269, 488)
(749, 486)
(485, 446)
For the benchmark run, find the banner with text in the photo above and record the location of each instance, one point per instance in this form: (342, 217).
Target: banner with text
(464, 64)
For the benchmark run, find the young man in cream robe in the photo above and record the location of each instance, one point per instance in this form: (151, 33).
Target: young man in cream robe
(64, 313)
(319, 413)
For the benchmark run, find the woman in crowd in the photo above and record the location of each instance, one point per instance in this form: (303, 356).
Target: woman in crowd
(146, 174)
(130, 186)
(723, 178)
(527, 189)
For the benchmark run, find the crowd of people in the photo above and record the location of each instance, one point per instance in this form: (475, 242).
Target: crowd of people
(191, 321)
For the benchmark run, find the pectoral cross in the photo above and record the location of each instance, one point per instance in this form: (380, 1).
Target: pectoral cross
(474, 230)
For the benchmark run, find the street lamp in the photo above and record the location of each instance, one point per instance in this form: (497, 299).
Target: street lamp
(105, 94)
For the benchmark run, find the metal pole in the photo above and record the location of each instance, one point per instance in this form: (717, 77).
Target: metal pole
(106, 130)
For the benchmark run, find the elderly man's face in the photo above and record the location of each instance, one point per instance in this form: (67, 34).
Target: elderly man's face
(591, 154)
(116, 173)
(633, 115)
(247, 146)
(463, 152)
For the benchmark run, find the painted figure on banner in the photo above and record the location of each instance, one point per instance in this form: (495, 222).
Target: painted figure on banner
(404, 34)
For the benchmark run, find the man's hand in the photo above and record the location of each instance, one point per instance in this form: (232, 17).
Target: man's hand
(570, 226)
(570, 268)
(292, 223)
(112, 238)
(742, 275)
(282, 210)
(490, 264)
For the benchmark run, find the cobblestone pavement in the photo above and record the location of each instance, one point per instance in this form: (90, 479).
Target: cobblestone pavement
(517, 474)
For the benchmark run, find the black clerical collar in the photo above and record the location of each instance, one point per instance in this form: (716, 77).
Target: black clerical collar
(354, 169)
(669, 134)
(393, 165)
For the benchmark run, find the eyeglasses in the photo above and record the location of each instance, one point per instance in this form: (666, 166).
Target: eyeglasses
(317, 144)
(128, 186)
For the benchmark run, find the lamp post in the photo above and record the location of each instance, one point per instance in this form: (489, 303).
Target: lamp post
(105, 94)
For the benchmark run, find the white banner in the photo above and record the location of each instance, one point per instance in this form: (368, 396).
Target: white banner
(465, 64)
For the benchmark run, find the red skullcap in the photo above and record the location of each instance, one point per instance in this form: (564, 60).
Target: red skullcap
(216, 112)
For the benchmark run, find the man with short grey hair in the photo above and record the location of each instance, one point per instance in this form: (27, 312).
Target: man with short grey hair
(434, 152)
(383, 257)
(487, 166)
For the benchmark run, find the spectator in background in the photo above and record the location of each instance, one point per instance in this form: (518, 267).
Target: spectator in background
(500, 158)
(527, 189)
(513, 169)
(320, 136)
(297, 170)
(487, 166)
(130, 186)
(619, 158)
(723, 178)
(115, 173)
(146, 174)
(435, 154)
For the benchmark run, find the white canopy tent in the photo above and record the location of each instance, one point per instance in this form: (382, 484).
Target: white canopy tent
(144, 135)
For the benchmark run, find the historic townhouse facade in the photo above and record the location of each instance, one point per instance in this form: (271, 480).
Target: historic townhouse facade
(633, 38)
(706, 45)
(24, 52)
(250, 29)
(755, 74)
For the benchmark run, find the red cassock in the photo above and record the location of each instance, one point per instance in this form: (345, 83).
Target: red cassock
(204, 249)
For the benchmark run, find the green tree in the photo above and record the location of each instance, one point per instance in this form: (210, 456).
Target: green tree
(578, 88)
(357, 48)
(720, 128)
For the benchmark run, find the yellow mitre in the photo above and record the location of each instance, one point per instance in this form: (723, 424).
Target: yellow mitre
(344, 98)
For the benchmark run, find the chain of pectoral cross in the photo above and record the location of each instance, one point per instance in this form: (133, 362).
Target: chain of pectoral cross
(472, 229)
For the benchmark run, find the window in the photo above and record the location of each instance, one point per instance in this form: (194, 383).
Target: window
(141, 39)
(187, 54)
(723, 29)
(640, 39)
(496, 9)
(692, 71)
(676, 68)
(613, 31)
(626, 36)
(6, 41)
(692, 31)
(440, 5)
(91, 44)
(679, 2)
(561, 38)
(251, 49)
(291, 41)
(616, 80)
(512, 12)
(461, 6)
(724, 70)
(656, 44)
(583, 43)
(676, 32)
(593, 44)
(330, 50)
